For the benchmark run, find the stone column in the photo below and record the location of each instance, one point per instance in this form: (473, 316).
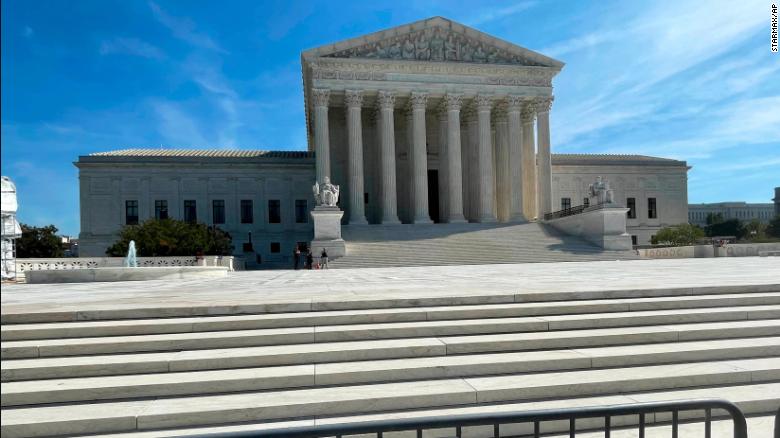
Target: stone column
(357, 208)
(386, 102)
(517, 167)
(471, 163)
(502, 165)
(529, 161)
(321, 97)
(454, 174)
(419, 155)
(443, 163)
(544, 187)
(486, 176)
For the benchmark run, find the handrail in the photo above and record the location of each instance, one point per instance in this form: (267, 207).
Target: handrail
(496, 419)
(777, 423)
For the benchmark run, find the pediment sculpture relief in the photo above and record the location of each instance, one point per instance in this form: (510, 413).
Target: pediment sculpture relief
(435, 44)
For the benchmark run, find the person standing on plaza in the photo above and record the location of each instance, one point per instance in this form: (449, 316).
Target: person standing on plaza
(324, 259)
(296, 257)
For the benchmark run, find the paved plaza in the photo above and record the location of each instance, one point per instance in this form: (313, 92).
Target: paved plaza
(344, 285)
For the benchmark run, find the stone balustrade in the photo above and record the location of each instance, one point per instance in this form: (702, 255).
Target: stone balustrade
(37, 264)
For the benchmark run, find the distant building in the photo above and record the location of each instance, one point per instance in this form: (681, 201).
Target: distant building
(697, 213)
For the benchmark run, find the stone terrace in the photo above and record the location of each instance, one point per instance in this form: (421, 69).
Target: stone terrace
(269, 349)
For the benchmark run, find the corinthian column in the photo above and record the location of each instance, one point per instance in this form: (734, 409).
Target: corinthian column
(419, 156)
(454, 174)
(529, 161)
(321, 97)
(486, 176)
(503, 170)
(386, 102)
(443, 163)
(516, 164)
(357, 208)
(544, 187)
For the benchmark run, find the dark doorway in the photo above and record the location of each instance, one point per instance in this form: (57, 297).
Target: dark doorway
(433, 195)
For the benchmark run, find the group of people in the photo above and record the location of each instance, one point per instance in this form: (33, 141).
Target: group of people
(305, 258)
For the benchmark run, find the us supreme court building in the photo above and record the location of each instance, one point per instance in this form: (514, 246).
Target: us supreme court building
(430, 122)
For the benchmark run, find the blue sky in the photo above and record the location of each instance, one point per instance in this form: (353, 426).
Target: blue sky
(683, 79)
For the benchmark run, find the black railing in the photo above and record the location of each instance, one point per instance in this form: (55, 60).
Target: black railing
(571, 211)
(777, 423)
(535, 418)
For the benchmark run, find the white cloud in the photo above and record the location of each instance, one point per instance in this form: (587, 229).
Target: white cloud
(178, 127)
(184, 29)
(494, 14)
(131, 46)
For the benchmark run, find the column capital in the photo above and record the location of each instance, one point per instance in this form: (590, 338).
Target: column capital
(353, 98)
(453, 102)
(543, 104)
(483, 102)
(320, 96)
(515, 102)
(418, 100)
(527, 112)
(386, 99)
(500, 113)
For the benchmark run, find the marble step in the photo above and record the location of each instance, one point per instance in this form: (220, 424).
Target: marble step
(355, 332)
(349, 302)
(345, 373)
(247, 357)
(756, 399)
(299, 319)
(270, 405)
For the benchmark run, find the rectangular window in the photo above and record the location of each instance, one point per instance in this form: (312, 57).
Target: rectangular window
(300, 211)
(565, 203)
(218, 211)
(247, 212)
(274, 211)
(633, 240)
(161, 209)
(190, 212)
(276, 247)
(631, 204)
(131, 212)
(652, 211)
(586, 202)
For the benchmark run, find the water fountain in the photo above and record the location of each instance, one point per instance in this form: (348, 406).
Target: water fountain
(130, 260)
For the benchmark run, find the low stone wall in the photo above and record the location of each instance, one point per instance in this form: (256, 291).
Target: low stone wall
(704, 251)
(26, 265)
(125, 274)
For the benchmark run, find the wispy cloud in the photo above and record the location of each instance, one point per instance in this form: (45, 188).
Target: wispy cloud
(176, 126)
(494, 14)
(28, 32)
(131, 46)
(184, 29)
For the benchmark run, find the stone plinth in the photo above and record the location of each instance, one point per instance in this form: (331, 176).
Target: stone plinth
(603, 225)
(327, 232)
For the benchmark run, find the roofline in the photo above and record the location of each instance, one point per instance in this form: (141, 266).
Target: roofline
(428, 22)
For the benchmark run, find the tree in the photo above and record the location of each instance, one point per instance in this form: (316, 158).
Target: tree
(714, 218)
(679, 235)
(170, 237)
(774, 227)
(731, 227)
(39, 242)
(755, 229)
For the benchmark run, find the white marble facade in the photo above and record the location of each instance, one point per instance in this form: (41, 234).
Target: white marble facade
(427, 122)
(645, 180)
(432, 121)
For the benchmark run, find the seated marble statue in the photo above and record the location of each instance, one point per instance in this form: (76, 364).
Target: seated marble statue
(326, 194)
(601, 191)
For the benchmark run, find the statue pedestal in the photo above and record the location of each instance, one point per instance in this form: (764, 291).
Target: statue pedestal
(327, 232)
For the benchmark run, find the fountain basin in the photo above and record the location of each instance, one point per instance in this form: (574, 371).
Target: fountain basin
(89, 275)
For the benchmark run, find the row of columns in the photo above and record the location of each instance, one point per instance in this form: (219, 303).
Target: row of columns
(513, 174)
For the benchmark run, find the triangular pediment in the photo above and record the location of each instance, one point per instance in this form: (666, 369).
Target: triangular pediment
(436, 39)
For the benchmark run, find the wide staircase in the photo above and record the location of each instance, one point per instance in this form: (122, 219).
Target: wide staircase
(194, 372)
(371, 246)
